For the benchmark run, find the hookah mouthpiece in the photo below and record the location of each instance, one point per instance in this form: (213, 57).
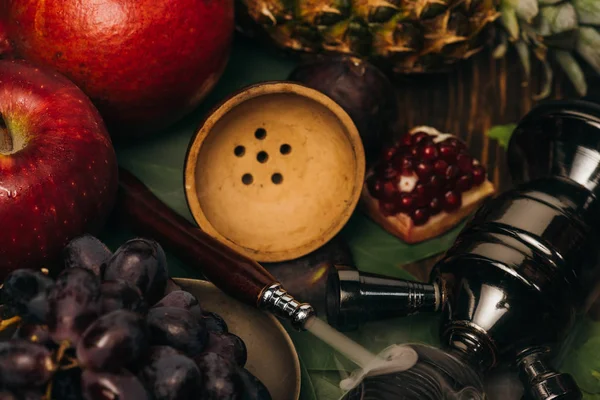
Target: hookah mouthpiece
(279, 302)
(355, 297)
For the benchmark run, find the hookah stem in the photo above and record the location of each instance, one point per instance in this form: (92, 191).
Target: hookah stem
(238, 276)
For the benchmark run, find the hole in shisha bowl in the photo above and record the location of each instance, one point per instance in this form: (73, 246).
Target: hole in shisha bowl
(260, 133)
(277, 178)
(285, 149)
(262, 157)
(239, 151)
(247, 179)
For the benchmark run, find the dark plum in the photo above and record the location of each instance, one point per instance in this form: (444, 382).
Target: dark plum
(250, 387)
(66, 385)
(74, 303)
(361, 89)
(219, 377)
(227, 345)
(24, 364)
(214, 322)
(178, 328)
(141, 262)
(171, 286)
(33, 333)
(112, 386)
(116, 340)
(25, 293)
(171, 376)
(87, 252)
(121, 295)
(181, 299)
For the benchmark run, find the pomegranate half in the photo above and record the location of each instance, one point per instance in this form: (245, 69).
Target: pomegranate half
(424, 185)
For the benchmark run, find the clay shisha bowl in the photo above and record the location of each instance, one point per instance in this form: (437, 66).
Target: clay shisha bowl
(275, 171)
(272, 356)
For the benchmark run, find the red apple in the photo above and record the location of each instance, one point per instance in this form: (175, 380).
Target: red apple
(144, 63)
(58, 168)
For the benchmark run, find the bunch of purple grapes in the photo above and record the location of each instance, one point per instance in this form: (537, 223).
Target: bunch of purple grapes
(116, 327)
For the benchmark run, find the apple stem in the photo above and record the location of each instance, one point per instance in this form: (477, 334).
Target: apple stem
(6, 140)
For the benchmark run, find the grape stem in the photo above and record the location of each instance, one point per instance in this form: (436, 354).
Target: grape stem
(60, 353)
(48, 394)
(5, 324)
(72, 364)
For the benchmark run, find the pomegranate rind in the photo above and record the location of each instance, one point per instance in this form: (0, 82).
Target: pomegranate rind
(402, 226)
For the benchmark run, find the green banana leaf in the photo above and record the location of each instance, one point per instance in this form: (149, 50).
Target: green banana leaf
(158, 162)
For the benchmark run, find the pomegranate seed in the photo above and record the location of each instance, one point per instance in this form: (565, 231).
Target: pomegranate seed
(407, 167)
(390, 191)
(456, 143)
(424, 170)
(478, 175)
(465, 182)
(407, 202)
(449, 184)
(464, 162)
(436, 183)
(388, 209)
(386, 171)
(435, 206)
(452, 201)
(389, 153)
(422, 194)
(448, 152)
(440, 167)
(418, 137)
(430, 152)
(375, 187)
(416, 151)
(406, 140)
(420, 216)
(452, 172)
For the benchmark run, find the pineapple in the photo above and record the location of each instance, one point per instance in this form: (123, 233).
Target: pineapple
(417, 36)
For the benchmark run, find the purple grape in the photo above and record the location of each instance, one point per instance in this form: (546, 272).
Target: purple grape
(114, 341)
(250, 387)
(121, 295)
(66, 385)
(86, 252)
(112, 386)
(181, 299)
(227, 345)
(178, 328)
(219, 376)
(141, 262)
(25, 293)
(170, 376)
(33, 333)
(171, 286)
(214, 322)
(74, 303)
(24, 364)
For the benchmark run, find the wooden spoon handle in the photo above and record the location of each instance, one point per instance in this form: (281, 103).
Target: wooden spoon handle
(233, 273)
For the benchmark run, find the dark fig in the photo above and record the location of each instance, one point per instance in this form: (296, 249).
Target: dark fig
(361, 89)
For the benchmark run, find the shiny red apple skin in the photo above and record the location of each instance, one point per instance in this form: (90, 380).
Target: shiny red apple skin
(144, 63)
(63, 181)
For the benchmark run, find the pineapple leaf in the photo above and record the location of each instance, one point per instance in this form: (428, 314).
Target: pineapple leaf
(588, 11)
(527, 9)
(561, 18)
(523, 51)
(588, 47)
(501, 133)
(547, 82)
(573, 70)
(510, 21)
